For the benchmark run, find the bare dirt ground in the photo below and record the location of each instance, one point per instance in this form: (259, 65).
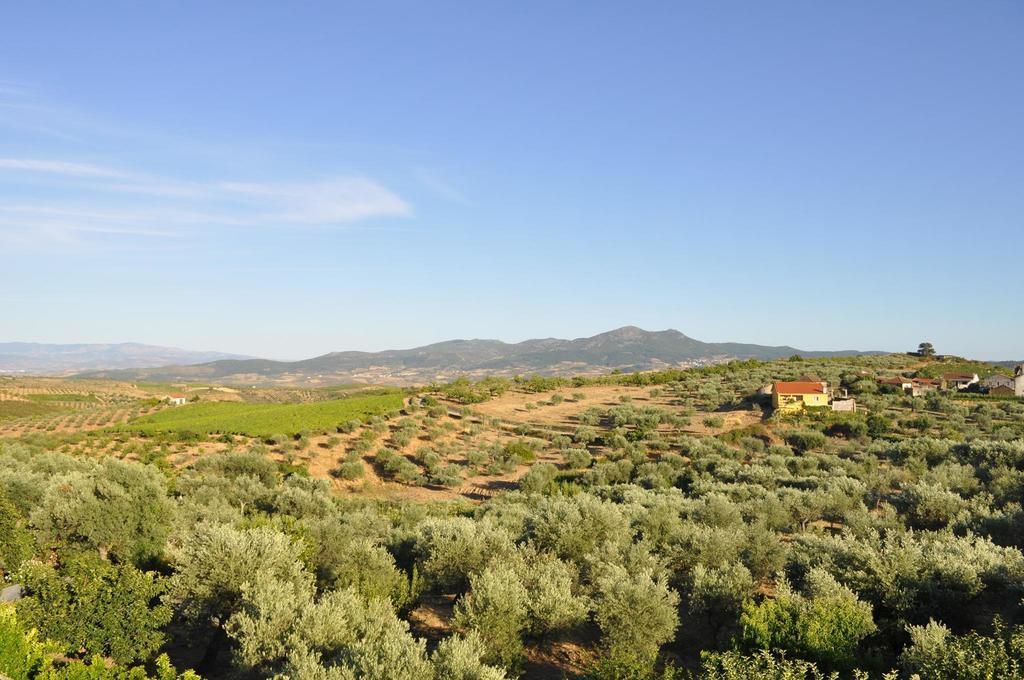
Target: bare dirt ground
(545, 660)
(512, 407)
(494, 423)
(321, 459)
(431, 618)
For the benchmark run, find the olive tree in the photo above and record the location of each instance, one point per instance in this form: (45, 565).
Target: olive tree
(637, 613)
(448, 550)
(343, 635)
(459, 657)
(496, 607)
(214, 563)
(119, 508)
(554, 602)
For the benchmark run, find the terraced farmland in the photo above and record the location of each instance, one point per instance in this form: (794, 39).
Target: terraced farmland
(10, 409)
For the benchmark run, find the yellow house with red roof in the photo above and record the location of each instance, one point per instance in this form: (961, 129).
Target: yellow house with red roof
(798, 395)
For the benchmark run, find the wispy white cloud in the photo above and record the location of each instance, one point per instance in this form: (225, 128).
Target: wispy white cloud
(67, 168)
(91, 217)
(58, 198)
(34, 229)
(65, 229)
(156, 189)
(182, 208)
(337, 200)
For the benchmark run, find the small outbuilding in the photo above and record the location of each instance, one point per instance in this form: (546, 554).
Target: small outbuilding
(844, 405)
(997, 381)
(959, 381)
(176, 399)
(922, 386)
(898, 382)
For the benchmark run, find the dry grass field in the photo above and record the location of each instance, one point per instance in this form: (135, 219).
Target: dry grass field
(450, 451)
(432, 448)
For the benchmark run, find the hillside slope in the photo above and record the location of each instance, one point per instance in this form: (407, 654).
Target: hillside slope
(53, 359)
(627, 349)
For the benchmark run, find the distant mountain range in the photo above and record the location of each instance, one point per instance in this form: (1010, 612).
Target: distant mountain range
(45, 359)
(626, 349)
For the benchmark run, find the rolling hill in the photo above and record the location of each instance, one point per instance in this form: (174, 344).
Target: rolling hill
(38, 358)
(626, 349)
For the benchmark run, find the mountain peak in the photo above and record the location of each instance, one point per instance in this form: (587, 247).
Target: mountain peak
(624, 333)
(635, 333)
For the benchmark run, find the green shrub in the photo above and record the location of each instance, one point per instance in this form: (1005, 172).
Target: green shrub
(826, 626)
(806, 440)
(539, 479)
(446, 475)
(577, 459)
(16, 543)
(21, 656)
(351, 469)
(720, 590)
(934, 653)
(762, 665)
(113, 606)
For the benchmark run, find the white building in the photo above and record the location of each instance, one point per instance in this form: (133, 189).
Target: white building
(959, 381)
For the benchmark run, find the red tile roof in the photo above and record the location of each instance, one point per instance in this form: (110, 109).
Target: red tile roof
(800, 387)
(958, 376)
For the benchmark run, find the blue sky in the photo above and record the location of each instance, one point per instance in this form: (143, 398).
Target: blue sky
(287, 179)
